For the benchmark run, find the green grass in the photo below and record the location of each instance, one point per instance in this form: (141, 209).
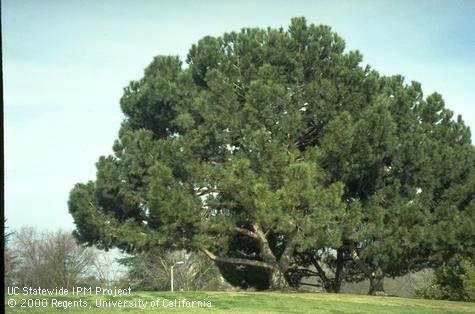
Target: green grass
(255, 302)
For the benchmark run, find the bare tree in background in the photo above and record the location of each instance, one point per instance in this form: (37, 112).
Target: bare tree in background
(54, 259)
(105, 270)
(8, 256)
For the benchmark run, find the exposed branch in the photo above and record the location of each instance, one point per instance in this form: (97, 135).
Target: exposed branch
(266, 252)
(205, 191)
(321, 272)
(308, 137)
(246, 232)
(286, 257)
(237, 86)
(236, 261)
(269, 229)
(306, 272)
(245, 254)
(310, 284)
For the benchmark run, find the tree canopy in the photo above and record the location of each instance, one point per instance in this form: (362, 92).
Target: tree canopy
(275, 149)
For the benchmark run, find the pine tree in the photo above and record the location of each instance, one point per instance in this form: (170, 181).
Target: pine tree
(283, 139)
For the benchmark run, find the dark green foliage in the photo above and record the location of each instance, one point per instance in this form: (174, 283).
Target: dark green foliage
(454, 280)
(284, 138)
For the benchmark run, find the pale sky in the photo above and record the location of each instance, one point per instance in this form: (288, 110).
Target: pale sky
(65, 64)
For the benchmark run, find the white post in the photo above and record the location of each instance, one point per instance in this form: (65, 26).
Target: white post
(171, 274)
(172, 278)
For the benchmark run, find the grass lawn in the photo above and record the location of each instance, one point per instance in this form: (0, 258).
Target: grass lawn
(239, 302)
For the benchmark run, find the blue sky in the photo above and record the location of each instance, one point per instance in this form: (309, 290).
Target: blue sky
(65, 64)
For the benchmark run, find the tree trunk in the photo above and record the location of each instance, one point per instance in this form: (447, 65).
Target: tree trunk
(376, 278)
(276, 274)
(338, 271)
(275, 268)
(376, 285)
(277, 280)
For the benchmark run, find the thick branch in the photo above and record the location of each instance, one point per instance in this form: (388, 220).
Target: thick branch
(236, 261)
(309, 136)
(310, 284)
(266, 252)
(321, 272)
(287, 255)
(246, 232)
(306, 272)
